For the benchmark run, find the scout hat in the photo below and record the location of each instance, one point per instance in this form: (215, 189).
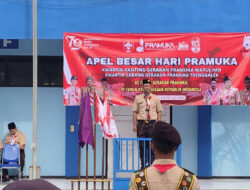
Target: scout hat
(213, 79)
(146, 81)
(165, 137)
(11, 125)
(104, 79)
(247, 78)
(73, 77)
(226, 78)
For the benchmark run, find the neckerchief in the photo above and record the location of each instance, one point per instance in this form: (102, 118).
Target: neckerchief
(162, 168)
(13, 140)
(148, 106)
(76, 95)
(226, 100)
(213, 96)
(247, 97)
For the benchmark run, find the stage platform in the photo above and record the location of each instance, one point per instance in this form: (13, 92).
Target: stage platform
(206, 184)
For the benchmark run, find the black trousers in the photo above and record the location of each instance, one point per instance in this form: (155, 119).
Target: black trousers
(144, 130)
(22, 162)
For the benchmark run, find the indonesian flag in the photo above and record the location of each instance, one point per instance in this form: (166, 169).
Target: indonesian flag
(104, 117)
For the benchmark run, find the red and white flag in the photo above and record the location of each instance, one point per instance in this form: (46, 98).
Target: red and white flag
(104, 117)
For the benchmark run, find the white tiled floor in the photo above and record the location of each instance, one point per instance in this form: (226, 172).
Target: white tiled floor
(208, 184)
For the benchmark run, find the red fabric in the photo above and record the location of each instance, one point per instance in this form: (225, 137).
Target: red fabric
(163, 167)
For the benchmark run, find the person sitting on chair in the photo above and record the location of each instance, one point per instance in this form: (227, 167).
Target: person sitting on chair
(15, 137)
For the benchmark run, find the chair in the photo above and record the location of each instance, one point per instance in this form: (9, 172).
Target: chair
(11, 159)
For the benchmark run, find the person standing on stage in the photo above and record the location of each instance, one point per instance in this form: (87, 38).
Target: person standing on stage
(73, 93)
(89, 88)
(212, 95)
(230, 95)
(164, 172)
(147, 110)
(15, 137)
(245, 94)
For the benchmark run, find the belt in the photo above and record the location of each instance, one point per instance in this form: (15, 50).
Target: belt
(146, 121)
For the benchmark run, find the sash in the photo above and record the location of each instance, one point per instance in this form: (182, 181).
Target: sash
(141, 182)
(185, 183)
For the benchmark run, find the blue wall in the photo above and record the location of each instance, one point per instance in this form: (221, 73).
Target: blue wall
(231, 141)
(185, 119)
(122, 16)
(16, 105)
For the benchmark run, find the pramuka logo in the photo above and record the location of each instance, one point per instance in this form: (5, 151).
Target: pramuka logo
(128, 46)
(153, 46)
(74, 43)
(246, 42)
(195, 43)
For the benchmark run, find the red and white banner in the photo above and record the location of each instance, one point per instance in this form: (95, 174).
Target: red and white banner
(180, 65)
(104, 116)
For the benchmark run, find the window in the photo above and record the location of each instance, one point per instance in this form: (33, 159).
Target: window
(18, 71)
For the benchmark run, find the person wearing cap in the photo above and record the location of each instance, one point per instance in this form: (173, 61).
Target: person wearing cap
(212, 95)
(104, 87)
(164, 173)
(35, 184)
(15, 137)
(90, 86)
(245, 94)
(230, 95)
(147, 109)
(73, 93)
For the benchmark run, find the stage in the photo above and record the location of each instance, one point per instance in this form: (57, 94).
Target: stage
(206, 184)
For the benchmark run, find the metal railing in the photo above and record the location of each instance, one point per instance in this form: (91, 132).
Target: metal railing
(127, 156)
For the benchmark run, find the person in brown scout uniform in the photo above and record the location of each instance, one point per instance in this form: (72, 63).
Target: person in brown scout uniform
(164, 173)
(73, 93)
(212, 95)
(15, 137)
(147, 110)
(230, 95)
(89, 88)
(245, 94)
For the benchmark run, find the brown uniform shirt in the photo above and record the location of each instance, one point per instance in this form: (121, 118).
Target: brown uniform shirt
(245, 97)
(19, 139)
(1, 144)
(72, 96)
(212, 97)
(140, 105)
(167, 180)
(231, 96)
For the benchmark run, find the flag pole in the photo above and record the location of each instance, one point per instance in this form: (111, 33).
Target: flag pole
(87, 165)
(79, 165)
(102, 162)
(94, 143)
(35, 62)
